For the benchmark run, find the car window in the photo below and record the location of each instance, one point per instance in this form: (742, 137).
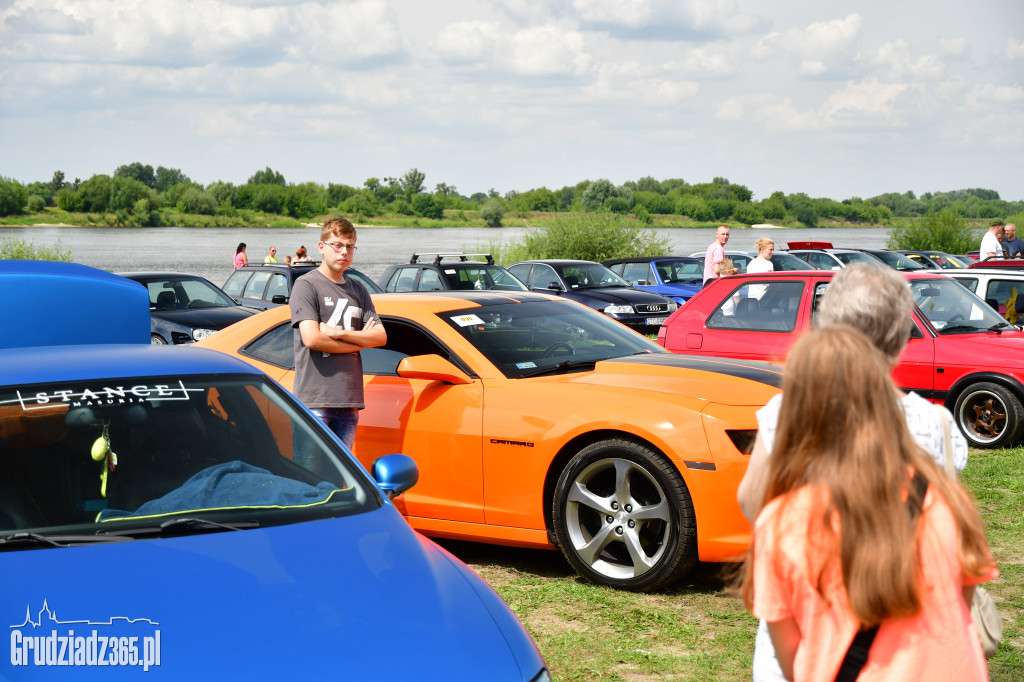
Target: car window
(970, 282)
(404, 340)
(236, 282)
(951, 308)
(520, 272)
(542, 276)
(256, 284)
(278, 287)
(590, 276)
(274, 347)
(848, 257)
(234, 447)
(430, 281)
(680, 271)
(404, 279)
(466, 278)
(1002, 294)
(634, 272)
(739, 261)
(767, 306)
(541, 337)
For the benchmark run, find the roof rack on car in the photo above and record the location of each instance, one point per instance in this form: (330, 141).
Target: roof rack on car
(461, 256)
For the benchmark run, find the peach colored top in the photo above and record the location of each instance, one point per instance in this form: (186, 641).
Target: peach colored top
(940, 643)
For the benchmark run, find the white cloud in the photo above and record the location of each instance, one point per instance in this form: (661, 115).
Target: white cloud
(989, 94)
(819, 48)
(193, 32)
(1014, 49)
(952, 46)
(895, 62)
(547, 51)
(866, 101)
(701, 62)
(468, 41)
(666, 19)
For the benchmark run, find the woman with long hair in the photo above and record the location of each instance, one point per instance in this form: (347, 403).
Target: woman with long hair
(836, 547)
(240, 257)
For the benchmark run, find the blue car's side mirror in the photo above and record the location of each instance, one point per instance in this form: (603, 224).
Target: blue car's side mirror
(395, 474)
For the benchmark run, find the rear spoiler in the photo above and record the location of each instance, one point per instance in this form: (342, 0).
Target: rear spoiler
(809, 245)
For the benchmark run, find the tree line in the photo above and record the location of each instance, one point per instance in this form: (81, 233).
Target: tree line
(138, 194)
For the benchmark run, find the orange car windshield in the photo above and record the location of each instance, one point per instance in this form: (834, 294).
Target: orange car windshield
(525, 339)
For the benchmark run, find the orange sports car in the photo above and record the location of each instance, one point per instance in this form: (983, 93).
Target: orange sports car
(539, 422)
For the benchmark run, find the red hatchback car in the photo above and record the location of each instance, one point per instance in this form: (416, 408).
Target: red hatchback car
(961, 353)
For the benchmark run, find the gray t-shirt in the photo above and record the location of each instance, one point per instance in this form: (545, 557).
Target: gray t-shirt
(329, 379)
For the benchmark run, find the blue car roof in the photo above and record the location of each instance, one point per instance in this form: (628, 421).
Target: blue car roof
(20, 366)
(50, 303)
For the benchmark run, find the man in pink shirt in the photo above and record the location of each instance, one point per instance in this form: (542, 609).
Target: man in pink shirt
(715, 255)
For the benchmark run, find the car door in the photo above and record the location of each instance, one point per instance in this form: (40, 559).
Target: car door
(916, 368)
(436, 423)
(752, 319)
(254, 288)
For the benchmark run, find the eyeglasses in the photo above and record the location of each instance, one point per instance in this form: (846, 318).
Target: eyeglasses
(338, 248)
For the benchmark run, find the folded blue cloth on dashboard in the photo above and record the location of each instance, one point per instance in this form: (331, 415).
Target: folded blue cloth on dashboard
(228, 485)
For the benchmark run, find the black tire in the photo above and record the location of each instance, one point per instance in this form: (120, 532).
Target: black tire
(989, 415)
(616, 495)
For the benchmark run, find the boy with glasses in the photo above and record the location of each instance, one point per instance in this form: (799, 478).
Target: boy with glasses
(334, 319)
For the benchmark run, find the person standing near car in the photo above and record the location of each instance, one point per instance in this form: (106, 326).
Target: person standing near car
(1014, 247)
(271, 255)
(715, 255)
(763, 263)
(240, 257)
(879, 303)
(990, 243)
(334, 318)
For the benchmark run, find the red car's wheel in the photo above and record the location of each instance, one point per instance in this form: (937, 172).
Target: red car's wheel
(990, 415)
(623, 517)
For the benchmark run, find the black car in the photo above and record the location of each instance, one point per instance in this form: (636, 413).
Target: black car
(595, 285)
(432, 272)
(268, 285)
(895, 260)
(186, 308)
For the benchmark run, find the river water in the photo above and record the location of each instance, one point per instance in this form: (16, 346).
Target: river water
(208, 251)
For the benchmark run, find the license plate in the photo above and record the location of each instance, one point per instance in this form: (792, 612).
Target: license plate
(651, 321)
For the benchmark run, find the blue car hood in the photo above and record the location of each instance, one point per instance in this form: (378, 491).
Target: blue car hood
(356, 598)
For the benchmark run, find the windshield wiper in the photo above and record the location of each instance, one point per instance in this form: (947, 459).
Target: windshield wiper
(561, 367)
(185, 523)
(998, 327)
(961, 328)
(40, 540)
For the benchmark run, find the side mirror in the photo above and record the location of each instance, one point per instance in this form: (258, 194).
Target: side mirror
(279, 299)
(432, 367)
(554, 285)
(642, 283)
(395, 474)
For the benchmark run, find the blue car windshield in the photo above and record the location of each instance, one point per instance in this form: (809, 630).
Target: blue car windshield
(525, 339)
(91, 457)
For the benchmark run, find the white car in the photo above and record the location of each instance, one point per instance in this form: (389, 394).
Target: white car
(997, 286)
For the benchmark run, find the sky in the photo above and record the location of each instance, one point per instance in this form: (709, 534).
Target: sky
(832, 98)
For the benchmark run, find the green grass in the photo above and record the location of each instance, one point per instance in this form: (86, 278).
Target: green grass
(694, 631)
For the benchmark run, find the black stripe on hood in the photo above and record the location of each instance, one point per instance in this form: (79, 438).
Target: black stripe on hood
(761, 372)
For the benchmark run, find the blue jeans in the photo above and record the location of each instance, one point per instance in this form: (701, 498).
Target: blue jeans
(341, 421)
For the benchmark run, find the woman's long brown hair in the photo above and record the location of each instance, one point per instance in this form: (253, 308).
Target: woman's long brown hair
(841, 426)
